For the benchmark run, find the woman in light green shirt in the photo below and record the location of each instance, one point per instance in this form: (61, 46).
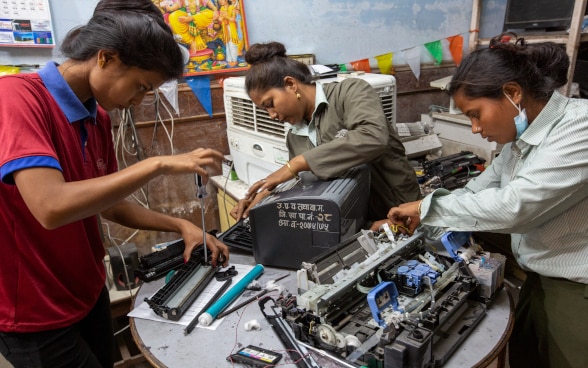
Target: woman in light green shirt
(536, 190)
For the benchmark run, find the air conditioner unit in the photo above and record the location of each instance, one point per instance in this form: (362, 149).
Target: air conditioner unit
(258, 143)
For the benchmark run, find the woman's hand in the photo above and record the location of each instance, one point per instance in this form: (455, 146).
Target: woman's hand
(259, 190)
(241, 210)
(376, 225)
(193, 238)
(193, 162)
(268, 184)
(407, 215)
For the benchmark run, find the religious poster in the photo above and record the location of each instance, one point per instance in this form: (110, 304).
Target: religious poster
(213, 31)
(26, 23)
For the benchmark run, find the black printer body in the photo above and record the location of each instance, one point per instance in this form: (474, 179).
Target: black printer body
(303, 218)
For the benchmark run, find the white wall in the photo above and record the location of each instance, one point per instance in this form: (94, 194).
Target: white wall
(336, 31)
(339, 31)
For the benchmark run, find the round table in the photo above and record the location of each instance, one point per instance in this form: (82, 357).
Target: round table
(165, 345)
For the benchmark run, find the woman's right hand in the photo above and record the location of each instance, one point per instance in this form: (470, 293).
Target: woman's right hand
(196, 161)
(407, 215)
(241, 210)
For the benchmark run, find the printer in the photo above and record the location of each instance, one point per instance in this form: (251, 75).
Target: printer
(302, 218)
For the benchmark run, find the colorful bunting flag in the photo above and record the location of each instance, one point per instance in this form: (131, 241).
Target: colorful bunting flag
(170, 92)
(362, 65)
(456, 48)
(385, 63)
(436, 51)
(200, 86)
(413, 59)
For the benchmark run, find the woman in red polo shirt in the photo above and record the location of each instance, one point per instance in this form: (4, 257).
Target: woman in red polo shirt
(59, 172)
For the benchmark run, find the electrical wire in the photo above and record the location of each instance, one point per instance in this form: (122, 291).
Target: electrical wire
(127, 144)
(438, 108)
(159, 121)
(109, 269)
(122, 149)
(225, 194)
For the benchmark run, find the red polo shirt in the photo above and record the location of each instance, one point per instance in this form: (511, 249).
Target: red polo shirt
(48, 278)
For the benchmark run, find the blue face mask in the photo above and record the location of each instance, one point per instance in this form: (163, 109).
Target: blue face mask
(521, 122)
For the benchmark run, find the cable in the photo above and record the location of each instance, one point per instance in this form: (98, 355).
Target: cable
(121, 330)
(119, 250)
(428, 280)
(159, 120)
(122, 149)
(438, 108)
(225, 194)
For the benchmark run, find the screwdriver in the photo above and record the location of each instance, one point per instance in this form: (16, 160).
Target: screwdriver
(201, 193)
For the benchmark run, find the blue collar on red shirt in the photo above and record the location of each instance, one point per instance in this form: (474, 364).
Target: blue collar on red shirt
(69, 103)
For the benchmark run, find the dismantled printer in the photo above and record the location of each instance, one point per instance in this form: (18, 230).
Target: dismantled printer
(384, 302)
(453, 171)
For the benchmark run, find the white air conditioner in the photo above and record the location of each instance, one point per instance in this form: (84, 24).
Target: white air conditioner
(258, 143)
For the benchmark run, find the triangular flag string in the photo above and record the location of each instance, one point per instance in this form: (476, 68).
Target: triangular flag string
(362, 65)
(413, 58)
(385, 63)
(170, 92)
(434, 47)
(436, 51)
(456, 48)
(201, 88)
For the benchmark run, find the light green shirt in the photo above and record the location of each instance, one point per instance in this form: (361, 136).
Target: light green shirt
(536, 190)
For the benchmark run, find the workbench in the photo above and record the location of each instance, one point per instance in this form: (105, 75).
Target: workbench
(165, 345)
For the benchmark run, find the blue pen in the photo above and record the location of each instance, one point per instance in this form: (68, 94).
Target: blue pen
(211, 313)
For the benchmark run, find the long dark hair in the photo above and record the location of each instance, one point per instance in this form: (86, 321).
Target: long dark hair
(539, 68)
(135, 30)
(270, 65)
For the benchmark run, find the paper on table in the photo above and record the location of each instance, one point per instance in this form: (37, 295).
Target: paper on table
(145, 312)
(320, 69)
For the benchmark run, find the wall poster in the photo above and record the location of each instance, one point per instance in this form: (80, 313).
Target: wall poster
(213, 31)
(26, 23)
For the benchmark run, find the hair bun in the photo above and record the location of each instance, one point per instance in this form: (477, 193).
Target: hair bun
(262, 52)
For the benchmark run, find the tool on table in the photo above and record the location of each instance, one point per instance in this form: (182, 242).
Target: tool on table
(213, 311)
(298, 353)
(255, 356)
(212, 300)
(321, 352)
(201, 193)
(271, 285)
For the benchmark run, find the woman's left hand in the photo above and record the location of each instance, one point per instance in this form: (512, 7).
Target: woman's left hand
(270, 182)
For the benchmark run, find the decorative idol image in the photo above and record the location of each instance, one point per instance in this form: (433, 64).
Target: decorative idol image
(213, 31)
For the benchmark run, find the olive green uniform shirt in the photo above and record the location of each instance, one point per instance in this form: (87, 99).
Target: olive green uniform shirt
(351, 129)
